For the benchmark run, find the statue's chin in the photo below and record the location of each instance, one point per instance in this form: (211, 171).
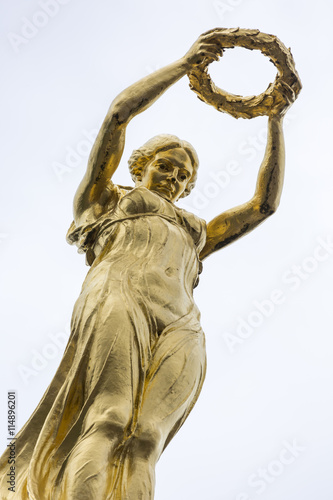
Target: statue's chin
(164, 193)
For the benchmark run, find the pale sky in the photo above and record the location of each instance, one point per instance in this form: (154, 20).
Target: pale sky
(262, 427)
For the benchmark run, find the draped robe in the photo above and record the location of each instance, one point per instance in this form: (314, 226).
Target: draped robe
(135, 332)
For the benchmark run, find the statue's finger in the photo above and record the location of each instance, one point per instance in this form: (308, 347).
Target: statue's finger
(287, 90)
(214, 36)
(213, 47)
(214, 30)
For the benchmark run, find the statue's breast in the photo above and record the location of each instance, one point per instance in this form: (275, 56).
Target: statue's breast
(142, 201)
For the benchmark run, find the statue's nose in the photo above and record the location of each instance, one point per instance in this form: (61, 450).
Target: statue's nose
(174, 175)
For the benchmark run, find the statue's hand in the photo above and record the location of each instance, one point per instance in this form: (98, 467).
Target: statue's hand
(205, 50)
(284, 96)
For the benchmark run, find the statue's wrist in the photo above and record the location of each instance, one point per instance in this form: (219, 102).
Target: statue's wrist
(185, 64)
(276, 118)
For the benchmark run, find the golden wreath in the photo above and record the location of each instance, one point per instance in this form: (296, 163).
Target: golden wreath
(251, 106)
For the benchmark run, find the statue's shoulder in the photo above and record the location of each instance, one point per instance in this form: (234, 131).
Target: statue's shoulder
(191, 217)
(196, 226)
(82, 234)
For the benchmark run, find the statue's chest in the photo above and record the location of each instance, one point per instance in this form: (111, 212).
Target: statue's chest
(142, 201)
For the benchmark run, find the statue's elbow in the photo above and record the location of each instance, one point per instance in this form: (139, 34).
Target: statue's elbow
(119, 112)
(268, 209)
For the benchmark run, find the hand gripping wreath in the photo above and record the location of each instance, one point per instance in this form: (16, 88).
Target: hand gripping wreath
(251, 106)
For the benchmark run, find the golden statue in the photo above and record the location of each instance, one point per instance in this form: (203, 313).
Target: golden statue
(135, 361)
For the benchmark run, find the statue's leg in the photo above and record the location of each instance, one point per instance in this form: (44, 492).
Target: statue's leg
(87, 473)
(172, 387)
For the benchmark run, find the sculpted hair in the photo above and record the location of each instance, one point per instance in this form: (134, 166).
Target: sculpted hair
(163, 142)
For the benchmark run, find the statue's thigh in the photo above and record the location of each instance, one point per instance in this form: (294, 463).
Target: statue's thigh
(116, 364)
(172, 384)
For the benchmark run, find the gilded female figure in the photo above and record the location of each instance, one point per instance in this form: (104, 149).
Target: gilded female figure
(135, 360)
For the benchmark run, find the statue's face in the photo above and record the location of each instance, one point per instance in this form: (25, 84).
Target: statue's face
(168, 173)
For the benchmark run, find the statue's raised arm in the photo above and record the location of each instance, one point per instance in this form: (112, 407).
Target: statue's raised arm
(93, 195)
(236, 222)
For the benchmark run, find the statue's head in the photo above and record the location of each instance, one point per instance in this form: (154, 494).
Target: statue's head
(165, 164)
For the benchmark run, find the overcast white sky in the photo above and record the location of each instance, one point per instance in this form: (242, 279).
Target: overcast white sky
(262, 427)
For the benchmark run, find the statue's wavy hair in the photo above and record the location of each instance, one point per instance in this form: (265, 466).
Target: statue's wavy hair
(163, 142)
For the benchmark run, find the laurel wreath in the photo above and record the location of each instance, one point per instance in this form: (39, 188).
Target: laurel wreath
(250, 106)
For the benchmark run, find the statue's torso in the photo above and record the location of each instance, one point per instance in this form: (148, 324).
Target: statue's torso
(149, 245)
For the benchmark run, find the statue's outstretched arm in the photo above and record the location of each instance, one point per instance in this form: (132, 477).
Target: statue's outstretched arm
(108, 148)
(234, 223)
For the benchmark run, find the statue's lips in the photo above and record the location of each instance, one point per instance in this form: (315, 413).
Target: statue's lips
(167, 187)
